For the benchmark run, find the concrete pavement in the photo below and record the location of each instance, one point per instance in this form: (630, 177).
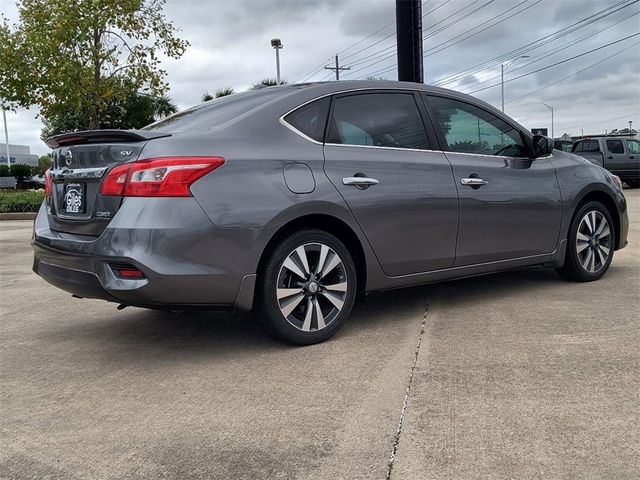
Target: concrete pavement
(518, 375)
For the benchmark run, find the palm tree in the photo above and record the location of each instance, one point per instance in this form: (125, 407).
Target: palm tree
(268, 82)
(163, 106)
(221, 92)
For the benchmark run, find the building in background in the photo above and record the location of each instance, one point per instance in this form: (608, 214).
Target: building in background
(18, 154)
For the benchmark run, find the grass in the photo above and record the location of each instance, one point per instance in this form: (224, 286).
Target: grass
(20, 201)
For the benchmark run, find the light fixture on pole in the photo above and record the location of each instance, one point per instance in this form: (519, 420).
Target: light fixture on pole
(503, 67)
(550, 108)
(630, 123)
(277, 45)
(582, 133)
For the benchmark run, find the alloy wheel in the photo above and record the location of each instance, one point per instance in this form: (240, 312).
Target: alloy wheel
(593, 241)
(312, 287)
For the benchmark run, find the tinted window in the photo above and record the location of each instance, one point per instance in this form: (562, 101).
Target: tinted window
(592, 146)
(615, 146)
(469, 129)
(378, 119)
(577, 147)
(633, 146)
(311, 119)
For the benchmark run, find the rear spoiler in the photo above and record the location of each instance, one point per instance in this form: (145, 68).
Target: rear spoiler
(102, 136)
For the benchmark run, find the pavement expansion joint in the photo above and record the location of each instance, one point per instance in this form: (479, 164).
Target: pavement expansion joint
(407, 392)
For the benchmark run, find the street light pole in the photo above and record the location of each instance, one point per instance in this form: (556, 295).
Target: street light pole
(550, 108)
(277, 45)
(6, 137)
(503, 67)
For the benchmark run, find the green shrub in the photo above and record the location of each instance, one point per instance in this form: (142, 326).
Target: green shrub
(20, 201)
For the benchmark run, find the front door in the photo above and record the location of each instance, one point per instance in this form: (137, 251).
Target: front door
(616, 158)
(510, 205)
(402, 194)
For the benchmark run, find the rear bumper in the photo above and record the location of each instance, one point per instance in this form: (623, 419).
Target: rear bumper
(186, 260)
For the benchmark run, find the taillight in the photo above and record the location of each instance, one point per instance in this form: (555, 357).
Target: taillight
(48, 184)
(158, 177)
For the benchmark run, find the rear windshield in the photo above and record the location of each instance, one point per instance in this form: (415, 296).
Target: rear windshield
(215, 112)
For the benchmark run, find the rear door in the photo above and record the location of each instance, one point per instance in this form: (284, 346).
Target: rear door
(510, 205)
(633, 159)
(379, 156)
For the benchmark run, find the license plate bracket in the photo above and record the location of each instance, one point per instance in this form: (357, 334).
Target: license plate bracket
(74, 198)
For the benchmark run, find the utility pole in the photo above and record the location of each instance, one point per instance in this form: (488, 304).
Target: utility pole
(337, 68)
(409, 40)
(6, 137)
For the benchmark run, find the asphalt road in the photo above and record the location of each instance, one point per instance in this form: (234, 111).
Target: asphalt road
(515, 375)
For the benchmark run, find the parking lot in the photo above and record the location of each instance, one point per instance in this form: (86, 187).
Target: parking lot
(513, 375)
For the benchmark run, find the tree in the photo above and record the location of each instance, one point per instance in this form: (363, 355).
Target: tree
(85, 56)
(136, 111)
(268, 82)
(221, 92)
(21, 172)
(44, 163)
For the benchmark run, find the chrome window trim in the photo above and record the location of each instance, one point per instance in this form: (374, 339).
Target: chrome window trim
(365, 89)
(340, 92)
(383, 148)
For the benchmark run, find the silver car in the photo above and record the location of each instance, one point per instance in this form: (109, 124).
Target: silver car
(297, 200)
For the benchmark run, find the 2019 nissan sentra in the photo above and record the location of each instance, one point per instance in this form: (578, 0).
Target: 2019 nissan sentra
(297, 200)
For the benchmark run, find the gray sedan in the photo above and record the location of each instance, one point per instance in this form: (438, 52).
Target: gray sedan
(297, 200)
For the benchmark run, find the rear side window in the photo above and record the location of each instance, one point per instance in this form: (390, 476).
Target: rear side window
(633, 146)
(379, 120)
(577, 147)
(311, 118)
(615, 146)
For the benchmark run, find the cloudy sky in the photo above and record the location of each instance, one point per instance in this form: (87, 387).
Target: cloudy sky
(465, 41)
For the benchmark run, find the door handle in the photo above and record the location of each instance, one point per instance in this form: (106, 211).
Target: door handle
(473, 182)
(632, 157)
(360, 181)
(609, 157)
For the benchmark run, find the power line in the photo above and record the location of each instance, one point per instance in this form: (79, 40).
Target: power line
(487, 21)
(545, 55)
(556, 63)
(536, 43)
(573, 74)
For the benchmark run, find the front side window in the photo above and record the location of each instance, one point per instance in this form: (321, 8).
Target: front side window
(592, 146)
(633, 146)
(379, 120)
(615, 146)
(577, 147)
(470, 129)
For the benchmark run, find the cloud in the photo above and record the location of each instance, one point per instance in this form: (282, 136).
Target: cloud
(230, 46)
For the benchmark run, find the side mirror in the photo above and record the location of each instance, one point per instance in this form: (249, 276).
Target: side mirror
(542, 146)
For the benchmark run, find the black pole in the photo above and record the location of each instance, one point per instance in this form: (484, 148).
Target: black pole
(409, 37)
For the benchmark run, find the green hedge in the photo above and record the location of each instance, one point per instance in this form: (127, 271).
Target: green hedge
(20, 201)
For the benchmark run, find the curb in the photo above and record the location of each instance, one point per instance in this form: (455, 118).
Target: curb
(18, 216)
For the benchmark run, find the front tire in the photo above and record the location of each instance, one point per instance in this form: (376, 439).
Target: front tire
(307, 288)
(590, 244)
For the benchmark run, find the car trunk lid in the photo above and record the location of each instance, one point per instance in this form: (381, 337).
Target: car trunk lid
(80, 161)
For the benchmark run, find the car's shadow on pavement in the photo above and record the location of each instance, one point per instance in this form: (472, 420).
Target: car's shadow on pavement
(224, 331)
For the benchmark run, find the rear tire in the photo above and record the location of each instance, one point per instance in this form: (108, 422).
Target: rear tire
(590, 244)
(307, 288)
